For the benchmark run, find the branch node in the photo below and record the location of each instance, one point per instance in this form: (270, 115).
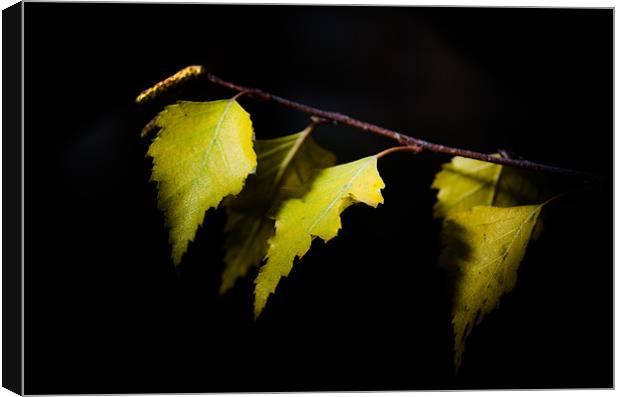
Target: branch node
(507, 154)
(321, 120)
(412, 148)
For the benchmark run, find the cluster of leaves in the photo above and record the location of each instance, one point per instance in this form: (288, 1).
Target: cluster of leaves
(282, 193)
(490, 213)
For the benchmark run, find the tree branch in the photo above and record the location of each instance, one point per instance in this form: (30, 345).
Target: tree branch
(416, 144)
(403, 140)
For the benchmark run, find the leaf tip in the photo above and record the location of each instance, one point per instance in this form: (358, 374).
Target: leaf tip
(259, 304)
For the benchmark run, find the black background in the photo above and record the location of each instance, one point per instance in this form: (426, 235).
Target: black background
(107, 313)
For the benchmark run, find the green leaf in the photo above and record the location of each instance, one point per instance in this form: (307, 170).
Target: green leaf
(316, 214)
(464, 183)
(483, 249)
(484, 235)
(202, 154)
(285, 166)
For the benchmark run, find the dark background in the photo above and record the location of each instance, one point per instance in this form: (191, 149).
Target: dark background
(107, 313)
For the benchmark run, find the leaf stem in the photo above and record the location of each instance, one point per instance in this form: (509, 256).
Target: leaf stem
(238, 95)
(568, 193)
(293, 151)
(415, 149)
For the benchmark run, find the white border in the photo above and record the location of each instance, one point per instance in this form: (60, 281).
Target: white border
(604, 4)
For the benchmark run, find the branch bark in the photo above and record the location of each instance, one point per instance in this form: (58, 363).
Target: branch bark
(415, 144)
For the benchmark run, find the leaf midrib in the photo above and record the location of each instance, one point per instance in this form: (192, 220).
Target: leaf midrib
(215, 140)
(322, 215)
(205, 157)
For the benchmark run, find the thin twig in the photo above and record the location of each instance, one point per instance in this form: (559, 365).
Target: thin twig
(403, 140)
(339, 118)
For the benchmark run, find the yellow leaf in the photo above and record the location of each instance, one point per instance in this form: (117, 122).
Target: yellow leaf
(284, 166)
(485, 221)
(483, 248)
(202, 154)
(464, 183)
(316, 214)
